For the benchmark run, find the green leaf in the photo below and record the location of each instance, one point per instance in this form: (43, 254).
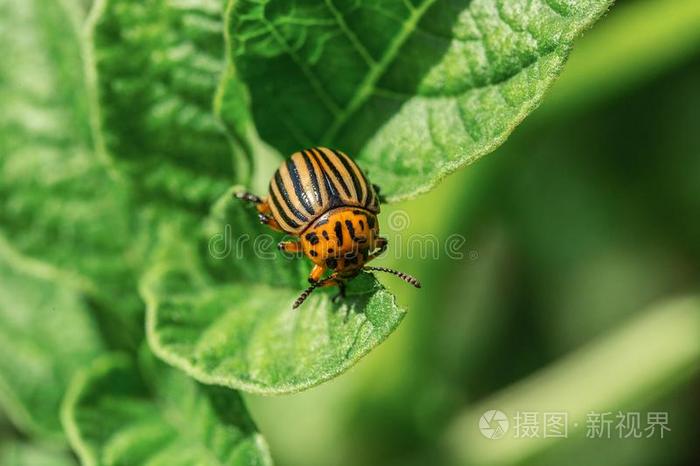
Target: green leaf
(156, 66)
(61, 214)
(413, 89)
(45, 335)
(116, 416)
(228, 319)
(23, 454)
(629, 368)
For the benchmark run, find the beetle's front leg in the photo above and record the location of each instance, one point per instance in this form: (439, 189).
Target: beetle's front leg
(316, 273)
(330, 281)
(290, 246)
(380, 244)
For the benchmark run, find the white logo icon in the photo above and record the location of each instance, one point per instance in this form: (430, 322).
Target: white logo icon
(493, 424)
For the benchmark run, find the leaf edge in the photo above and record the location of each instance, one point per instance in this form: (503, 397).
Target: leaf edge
(183, 364)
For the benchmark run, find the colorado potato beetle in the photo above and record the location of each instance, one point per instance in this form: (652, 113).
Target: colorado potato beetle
(323, 198)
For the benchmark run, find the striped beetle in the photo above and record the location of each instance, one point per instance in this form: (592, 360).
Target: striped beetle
(322, 197)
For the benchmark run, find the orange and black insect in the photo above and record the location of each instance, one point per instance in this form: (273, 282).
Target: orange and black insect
(322, 197)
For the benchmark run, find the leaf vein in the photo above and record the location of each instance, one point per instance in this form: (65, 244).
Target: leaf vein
(354, 40)
(366, 87)
(318, 87)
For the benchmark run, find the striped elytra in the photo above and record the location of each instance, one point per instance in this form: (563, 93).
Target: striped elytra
(321, 197)
(313, 181)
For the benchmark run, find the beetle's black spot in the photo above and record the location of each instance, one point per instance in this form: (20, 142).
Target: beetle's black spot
(331, 263)
(313, 238)
(351, 229)
(331, 250)
(362, 224)
(370, 221)
(358, 212)
(325, 235)
(339, 233)
(313, 253)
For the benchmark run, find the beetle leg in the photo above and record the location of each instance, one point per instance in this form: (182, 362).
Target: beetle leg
(316, 273)
(249, 197)
(263, 208)
(380, 244)
(328, 281)
(269, 221)
(260, 204)
(290, 246)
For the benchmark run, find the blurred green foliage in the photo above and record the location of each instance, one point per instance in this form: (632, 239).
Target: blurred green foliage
(118, 412)
(584, 218)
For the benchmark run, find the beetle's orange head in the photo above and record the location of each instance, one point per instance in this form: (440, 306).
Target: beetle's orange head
(341, 239)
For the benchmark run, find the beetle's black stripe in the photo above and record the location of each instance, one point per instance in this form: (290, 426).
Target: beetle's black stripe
(333, 198)
(360, 189)
(371, 221)
(312, 175)
(281, 212)
(339, 233)
(335, 171)
(298, 188)
(285, 198)
(371, 198)
(351, 229)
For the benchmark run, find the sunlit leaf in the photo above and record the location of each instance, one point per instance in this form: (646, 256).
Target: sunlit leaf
(413, 89)
(58, 205)
(228, 319)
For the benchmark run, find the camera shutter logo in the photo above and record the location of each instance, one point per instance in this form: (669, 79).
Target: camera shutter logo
(493, 424)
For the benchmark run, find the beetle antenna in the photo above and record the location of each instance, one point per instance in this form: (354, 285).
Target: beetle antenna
(403, 276)
(304, 294)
